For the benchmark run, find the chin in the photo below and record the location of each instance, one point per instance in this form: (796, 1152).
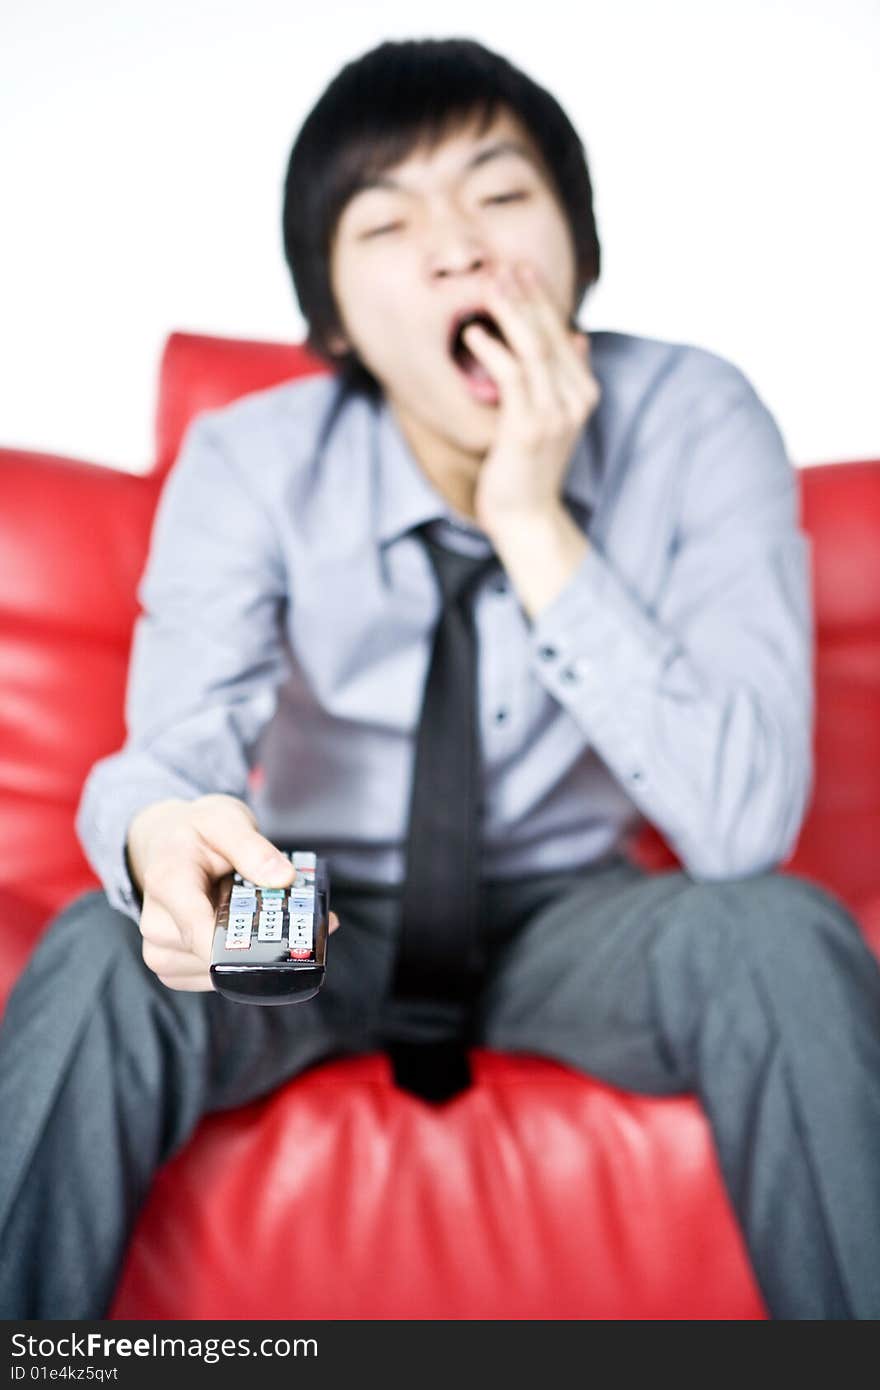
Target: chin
(472, 425)
(466, 425)
(471, 439)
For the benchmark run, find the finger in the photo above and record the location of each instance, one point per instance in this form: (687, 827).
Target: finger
(157, 925)
(229, 827)
(334, 922)
(525, 338)
(504, 299)
(162, 945)
(177, 881)
(581, 389)
(575, 382)
(536, 338)
(506, 371)
(171, 963)
(188, 983)
(535, 295)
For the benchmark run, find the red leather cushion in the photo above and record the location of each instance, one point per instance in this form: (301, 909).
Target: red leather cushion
(841, 509)
(73, 541)
(537, 1194)
(201, 372)
(840, 841)
(21, 925)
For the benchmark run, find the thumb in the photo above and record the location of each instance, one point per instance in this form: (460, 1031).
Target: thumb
(267, 866)
(272, 869)
(228, 826)
(257, 859)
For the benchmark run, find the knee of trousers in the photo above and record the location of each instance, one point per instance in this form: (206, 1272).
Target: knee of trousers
(770, 921)
(86, 945)
(89, 963)
(762, 955)
(88, 986)
(90, 929)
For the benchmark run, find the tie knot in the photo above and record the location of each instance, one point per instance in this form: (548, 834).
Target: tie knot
(458, 574)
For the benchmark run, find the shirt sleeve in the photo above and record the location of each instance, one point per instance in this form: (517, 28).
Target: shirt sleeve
(702, 705)
(208, 654)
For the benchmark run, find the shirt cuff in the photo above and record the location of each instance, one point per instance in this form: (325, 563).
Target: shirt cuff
(109, 802)
(114, 871)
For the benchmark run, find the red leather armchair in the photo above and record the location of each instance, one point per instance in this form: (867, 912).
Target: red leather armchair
(540, 1193)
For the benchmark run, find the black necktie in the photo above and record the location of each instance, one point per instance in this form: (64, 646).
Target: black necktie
(438, 965)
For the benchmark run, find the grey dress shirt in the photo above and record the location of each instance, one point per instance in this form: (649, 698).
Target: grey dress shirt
(287, 616)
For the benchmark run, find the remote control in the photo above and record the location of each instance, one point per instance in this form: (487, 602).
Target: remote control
(270, 944)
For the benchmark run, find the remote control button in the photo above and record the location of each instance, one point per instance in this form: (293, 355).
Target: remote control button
(269, 931)
(273, 892)
(244, 899)
(237, 941)
(304, 859)
(241, 919)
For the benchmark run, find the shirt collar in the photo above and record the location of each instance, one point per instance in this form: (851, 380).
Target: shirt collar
(407, 498)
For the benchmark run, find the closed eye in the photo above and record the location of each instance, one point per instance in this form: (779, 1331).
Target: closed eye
(377, 231)
(498, 198)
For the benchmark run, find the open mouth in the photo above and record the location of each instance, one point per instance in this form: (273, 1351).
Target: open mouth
(461, 353)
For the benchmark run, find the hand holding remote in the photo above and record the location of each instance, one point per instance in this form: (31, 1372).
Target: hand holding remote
(178, 852)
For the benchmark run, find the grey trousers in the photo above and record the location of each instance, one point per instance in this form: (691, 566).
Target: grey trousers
(758, 995)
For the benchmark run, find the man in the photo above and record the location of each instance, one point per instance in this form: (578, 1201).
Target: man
(644, 641)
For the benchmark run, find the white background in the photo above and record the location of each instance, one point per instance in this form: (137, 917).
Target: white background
(143, 145)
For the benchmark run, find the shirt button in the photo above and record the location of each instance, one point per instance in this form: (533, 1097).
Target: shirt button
(500, 586)
(569, 674)
(500, 715)
(636, 775)
(547, 653)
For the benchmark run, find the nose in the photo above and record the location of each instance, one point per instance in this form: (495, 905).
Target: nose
(463, 267)
(456, 249)
(458, 263)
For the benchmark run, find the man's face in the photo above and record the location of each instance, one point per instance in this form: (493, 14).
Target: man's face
(406, 259)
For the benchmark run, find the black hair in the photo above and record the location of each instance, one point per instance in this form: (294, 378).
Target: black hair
(400, 96)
